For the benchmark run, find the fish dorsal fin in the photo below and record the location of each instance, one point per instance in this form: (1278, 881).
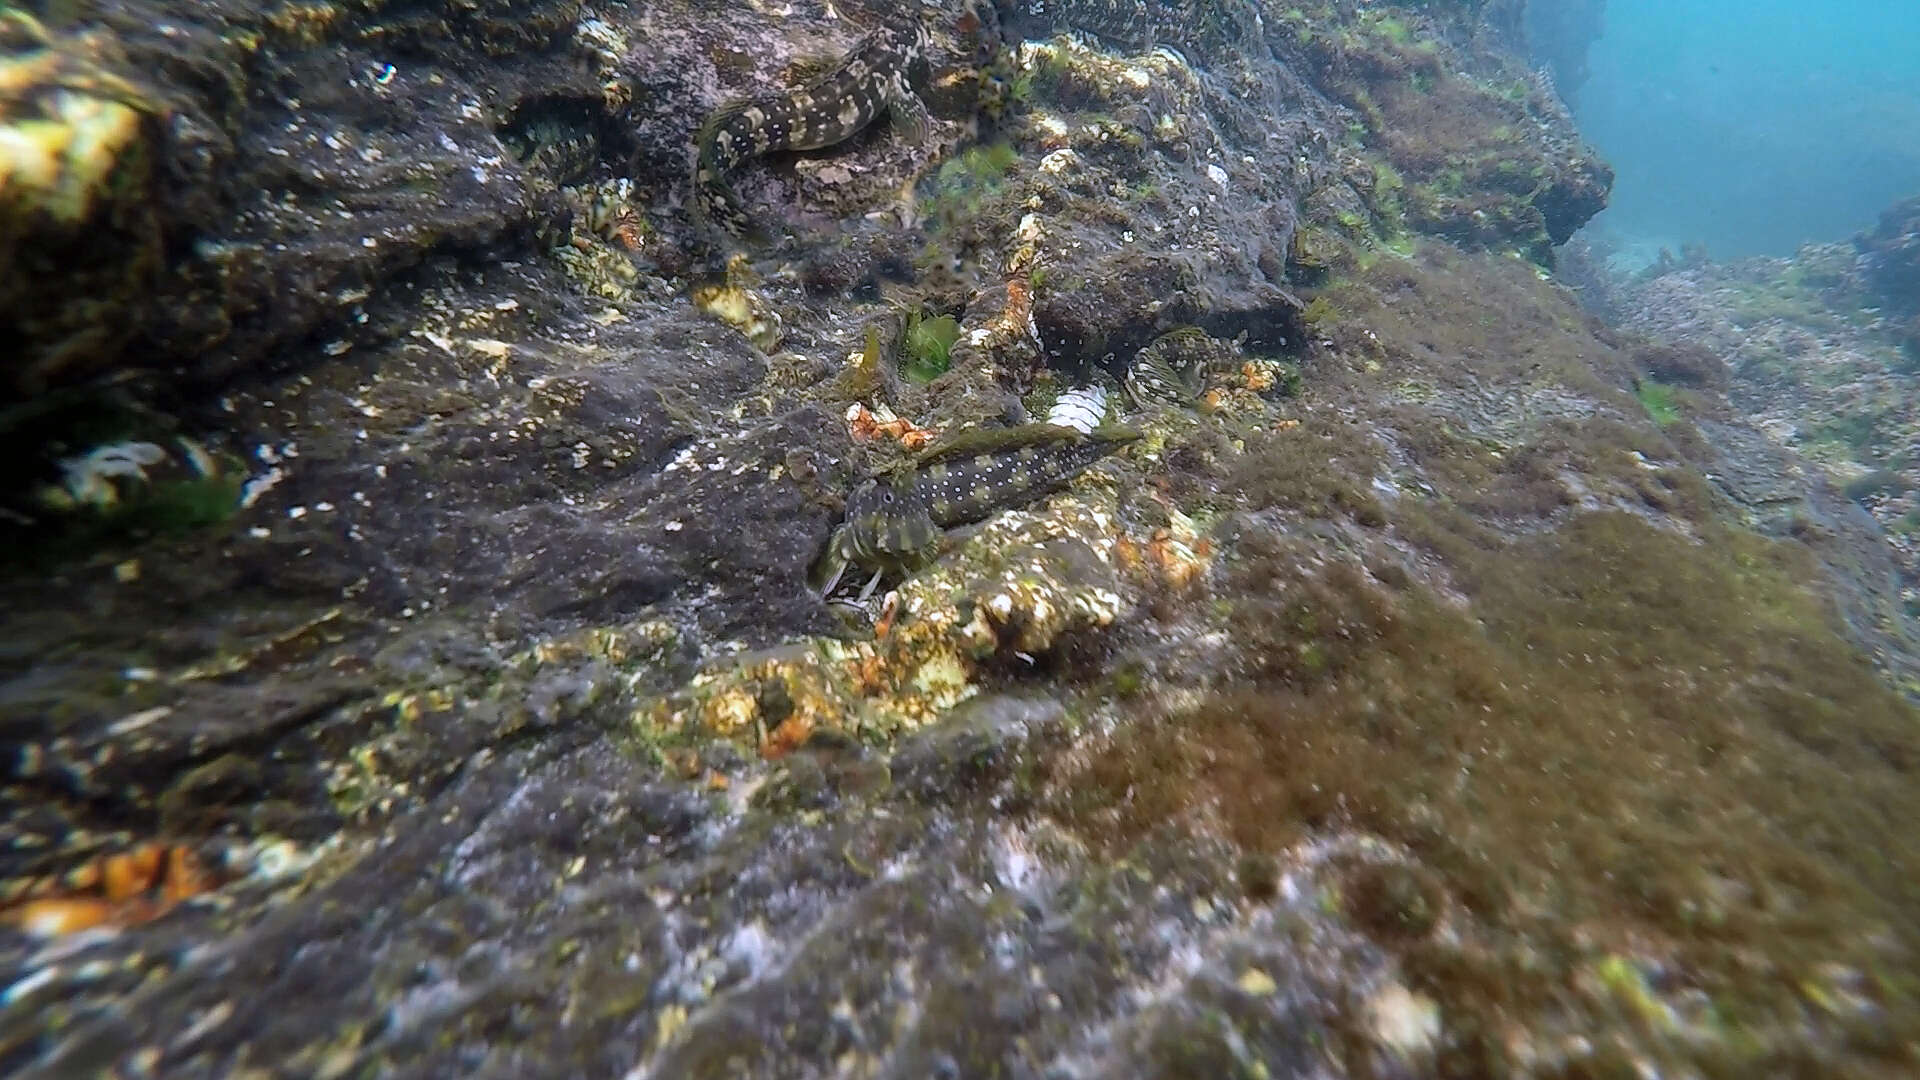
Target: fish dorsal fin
(1183, 333)
(989, 440)
(908, 115)
(1000, 440)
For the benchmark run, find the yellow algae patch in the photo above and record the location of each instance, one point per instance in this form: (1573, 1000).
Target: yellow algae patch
(1406, 1022)
(58, 164)
(1259, 375)
(67, 126)
(1175, 556)
(491, 348)
(624, 645)
(775, 700)
(305, 24)
(600, 270)
(737, 304)
(1256, 982)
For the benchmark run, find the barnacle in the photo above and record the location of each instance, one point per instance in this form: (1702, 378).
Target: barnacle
(1082, 409)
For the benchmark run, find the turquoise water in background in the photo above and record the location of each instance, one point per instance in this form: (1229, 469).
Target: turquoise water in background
(1752, 126)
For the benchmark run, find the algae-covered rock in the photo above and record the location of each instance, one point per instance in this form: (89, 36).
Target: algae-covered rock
(1891, 255)
(1470, 144)
(80, 239)
(1405, 700)
(192, 187)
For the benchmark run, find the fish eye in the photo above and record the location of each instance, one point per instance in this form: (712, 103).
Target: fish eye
(887, 498)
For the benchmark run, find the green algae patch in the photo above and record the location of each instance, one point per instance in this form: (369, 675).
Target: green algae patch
(122, 495)
(928, 346)
(963, 185)
(1660, 400)
(1643, 750)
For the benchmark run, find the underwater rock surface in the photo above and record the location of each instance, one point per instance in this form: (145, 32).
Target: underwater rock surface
(1891, 254)
(1823, 358)
(1420, 694)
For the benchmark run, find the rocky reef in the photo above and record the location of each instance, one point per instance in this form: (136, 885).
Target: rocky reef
(412, 665)
(1559, 35)
(1821, 350)
(1890, 262)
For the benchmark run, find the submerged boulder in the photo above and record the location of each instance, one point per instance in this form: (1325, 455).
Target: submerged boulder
(1890, 255)
(80, 238)
(1419, 687)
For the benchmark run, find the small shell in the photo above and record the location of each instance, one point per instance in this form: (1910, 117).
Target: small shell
(1081, 409)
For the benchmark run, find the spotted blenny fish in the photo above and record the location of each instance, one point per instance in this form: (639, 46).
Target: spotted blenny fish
(874, 78)
(894, 519)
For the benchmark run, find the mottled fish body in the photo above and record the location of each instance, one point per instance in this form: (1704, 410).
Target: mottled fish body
(1127, 24)
(892, 520)
(872, 79)
(1170, 372)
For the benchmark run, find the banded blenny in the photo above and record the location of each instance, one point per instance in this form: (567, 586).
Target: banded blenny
(895, 518)
(872, 79)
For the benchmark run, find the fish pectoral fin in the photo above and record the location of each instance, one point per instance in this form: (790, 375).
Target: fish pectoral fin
(951, 538)
(908, 115)
(906, 204)
(811, 67)
(828, 570)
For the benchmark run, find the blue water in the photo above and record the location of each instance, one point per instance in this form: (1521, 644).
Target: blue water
(1752, 126)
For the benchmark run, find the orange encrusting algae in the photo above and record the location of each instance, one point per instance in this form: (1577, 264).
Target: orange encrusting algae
(119, 890)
